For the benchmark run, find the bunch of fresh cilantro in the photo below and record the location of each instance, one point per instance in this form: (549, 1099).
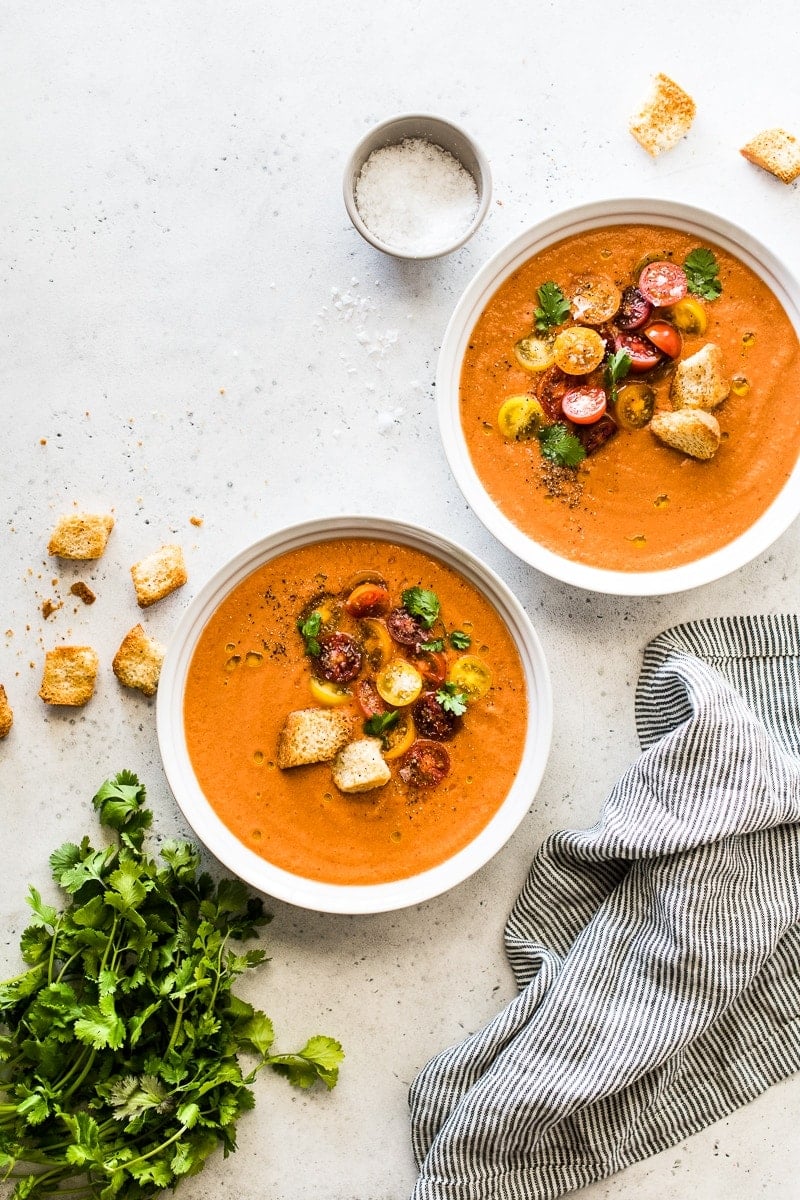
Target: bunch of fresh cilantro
(119, 1070)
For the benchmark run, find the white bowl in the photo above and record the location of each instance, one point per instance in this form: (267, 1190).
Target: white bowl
(773, 521)
(326, 897)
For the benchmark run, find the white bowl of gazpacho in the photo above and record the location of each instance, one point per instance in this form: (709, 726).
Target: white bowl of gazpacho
(354, 714)
(616, 396)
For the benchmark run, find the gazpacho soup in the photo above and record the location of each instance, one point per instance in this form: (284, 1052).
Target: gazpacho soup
(355, 711)
(629, 397)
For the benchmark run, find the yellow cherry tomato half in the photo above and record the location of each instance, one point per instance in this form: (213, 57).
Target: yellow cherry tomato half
(635, 405)
(399, 683)
(376, 642)
(399, 737)
(471, 675)
(578, 350)
(689, 315)
(535, 353)
(329, 694)
(520, 417)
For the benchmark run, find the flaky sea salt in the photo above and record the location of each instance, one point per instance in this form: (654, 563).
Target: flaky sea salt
(416, 197)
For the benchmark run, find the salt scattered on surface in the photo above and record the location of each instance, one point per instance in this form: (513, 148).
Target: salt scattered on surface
(416, 197)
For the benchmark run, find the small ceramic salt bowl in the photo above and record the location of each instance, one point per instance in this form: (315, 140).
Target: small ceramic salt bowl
(417, 186)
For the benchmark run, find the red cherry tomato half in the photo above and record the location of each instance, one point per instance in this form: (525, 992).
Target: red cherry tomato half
(425, 764)
(405, 629)
(431, 664)
(368, 700)
(643, 353)
(433, 721)
(584, 405)
(663, 283)
(339, 659)
(665, 337)
(367, 600)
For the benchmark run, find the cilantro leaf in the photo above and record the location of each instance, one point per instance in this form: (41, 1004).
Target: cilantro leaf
(560, 446)
(460, 640)
(378, 723)
(452, 699)
(434, 647)
(617, 367)
(422, 604)
(702, 273)
(309, 628)
(553, 307)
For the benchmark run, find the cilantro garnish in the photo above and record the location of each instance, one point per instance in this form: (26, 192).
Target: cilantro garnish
(435, 646)
(553, 308)
(560, 446)
(121, 1037)
(460, 640)
(378, 723)
(616, 368)
(422, 604)
(702, 273)
(309, 631)
(452, 699)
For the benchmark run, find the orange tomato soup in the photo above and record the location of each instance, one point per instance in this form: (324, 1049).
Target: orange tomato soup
(249, 671)
(636, 504)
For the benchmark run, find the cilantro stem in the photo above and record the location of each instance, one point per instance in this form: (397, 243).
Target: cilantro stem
(175, 1028)
(87, 1068)
(156, 1150)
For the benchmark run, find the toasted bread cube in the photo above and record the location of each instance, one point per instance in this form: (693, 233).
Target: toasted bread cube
(360, 766)
(776, 151)
(81, 535)
(665, 116)
(137, 663)
(159, 574)
(691, 430)
(700, 381)
(6, 714)
(69, 675)
(312, 735)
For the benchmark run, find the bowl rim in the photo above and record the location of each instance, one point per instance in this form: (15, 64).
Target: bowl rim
(345, 898)
(775, 519)
(358, 157)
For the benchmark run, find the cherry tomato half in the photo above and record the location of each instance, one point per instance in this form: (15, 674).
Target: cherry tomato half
(584, 405)
(405, 629)
(643, 353)
(367, 600)
(339, 659)
(663, 283)
(664, 337)
(368, 700)
(431, 664)
(634, 311)
(635, 405)
(425, 765)
(433, 721)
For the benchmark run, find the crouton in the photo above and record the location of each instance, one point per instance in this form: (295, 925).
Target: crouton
(360, 766)
(69, 675)
(664, 118)
(159, 574)
(137, 663)
(700, 381)
(691, 430)
(81, 535)
(6, 714)
(312, 735)
(775, 151)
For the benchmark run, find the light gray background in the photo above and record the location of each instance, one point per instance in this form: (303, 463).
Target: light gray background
(191, 327)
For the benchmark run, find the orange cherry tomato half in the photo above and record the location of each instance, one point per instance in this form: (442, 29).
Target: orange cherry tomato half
(665, 337)
(584, 405)
(663, 283)
(367, 600)
(431, 664)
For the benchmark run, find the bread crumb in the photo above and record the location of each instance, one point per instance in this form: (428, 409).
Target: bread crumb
(312, 735)
(69, 675)
(360, 767)
(665, 116)
(196, 521)
(81, 535)
(693, 431)
(137, 663)
(6, 714)
(776, 151)
(159, 574)
(83, 592)
(51, 606)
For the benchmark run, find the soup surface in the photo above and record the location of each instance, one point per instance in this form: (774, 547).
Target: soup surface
(252, 668)
(636, 504)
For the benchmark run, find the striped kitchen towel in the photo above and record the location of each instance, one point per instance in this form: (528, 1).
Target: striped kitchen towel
(657, 953)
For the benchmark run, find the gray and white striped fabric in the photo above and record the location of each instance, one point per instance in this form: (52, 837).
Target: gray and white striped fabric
(657, 953)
